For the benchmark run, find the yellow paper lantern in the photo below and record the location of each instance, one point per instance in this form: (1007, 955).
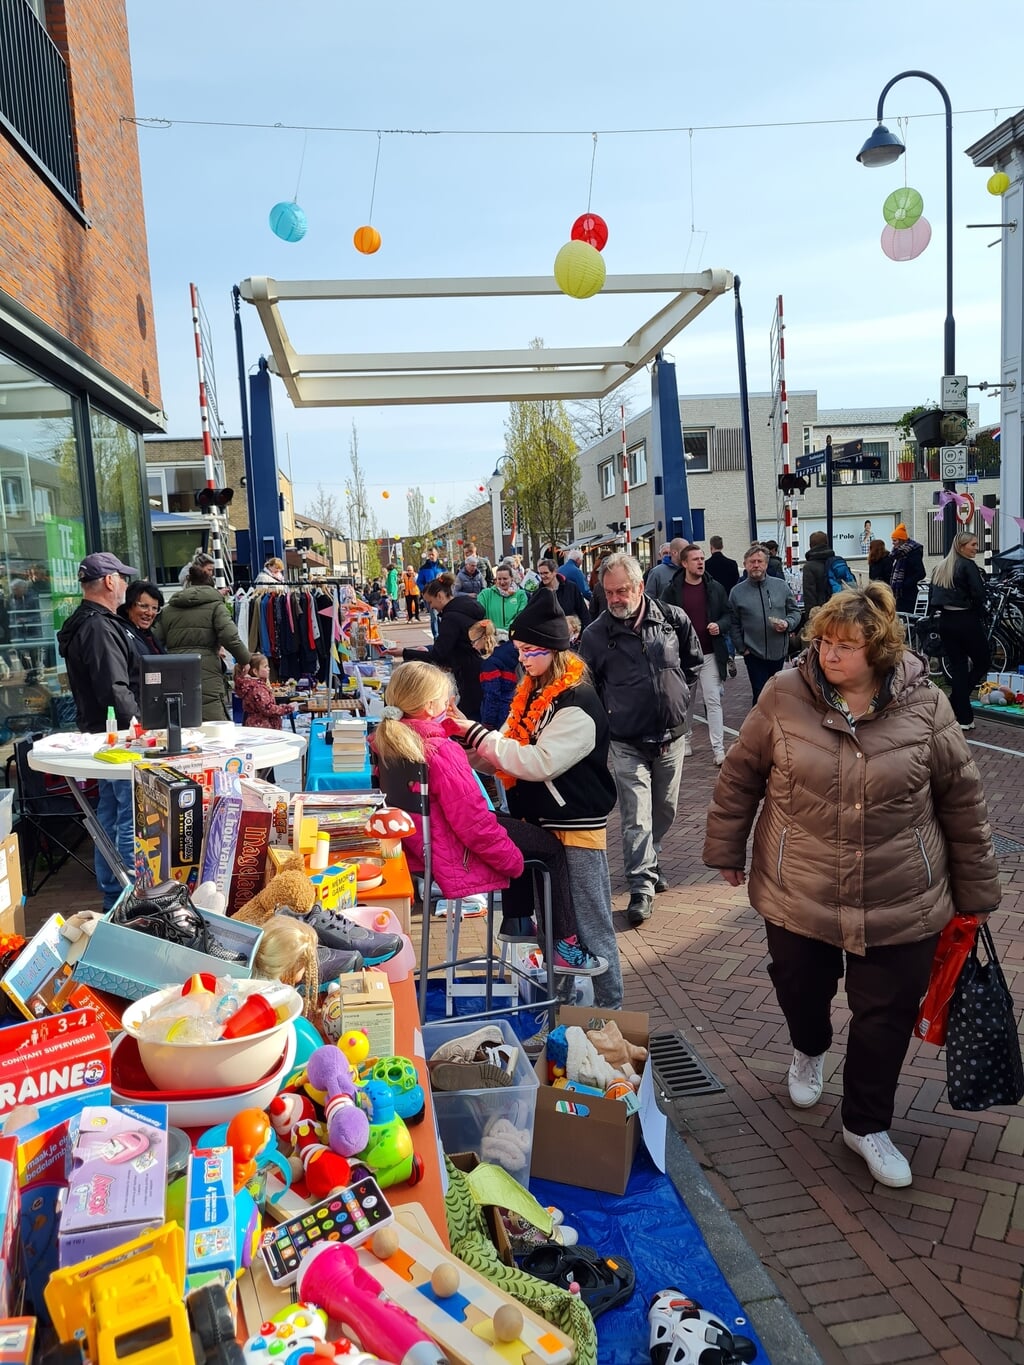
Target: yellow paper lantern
(998, 183)
(579, 270)
(366, 239)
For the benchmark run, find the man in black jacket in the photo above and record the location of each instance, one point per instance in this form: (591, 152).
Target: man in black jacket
(642, 654)
(95, 644)
(705, 603)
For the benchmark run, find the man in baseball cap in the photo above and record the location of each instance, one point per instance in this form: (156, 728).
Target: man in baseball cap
(97, 649)
(94, 567)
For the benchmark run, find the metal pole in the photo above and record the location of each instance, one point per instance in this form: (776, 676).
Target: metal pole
(748, 457)
(625, 479)
(828, 489)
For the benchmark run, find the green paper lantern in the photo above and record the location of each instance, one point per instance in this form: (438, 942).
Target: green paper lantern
(579, 270)
(903, 208)
(998, 183)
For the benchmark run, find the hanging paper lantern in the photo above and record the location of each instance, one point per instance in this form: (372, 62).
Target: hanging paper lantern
(288, 221)
(579, 270)
(366, 239)
(431, 499)
(480, 488)
(903, 208)
(385, 494)
(458, 542)
(906, 244)
(591, 229)
(998, 183)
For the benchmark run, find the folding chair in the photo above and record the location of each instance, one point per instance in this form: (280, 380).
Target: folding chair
(48, 822)
(405, 785)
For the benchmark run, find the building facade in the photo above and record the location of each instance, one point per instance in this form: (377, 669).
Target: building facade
(78, 360)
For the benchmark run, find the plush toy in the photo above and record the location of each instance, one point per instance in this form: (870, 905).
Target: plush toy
(506, 1145)
(291, 888)
(619, 1052)
(348, 1128)
(287, 1110)
(325, 1171)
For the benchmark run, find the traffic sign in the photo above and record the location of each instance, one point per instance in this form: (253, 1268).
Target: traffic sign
(965, 509)
(954, 393)
(969, 478)
(815, 460)
(953, 462)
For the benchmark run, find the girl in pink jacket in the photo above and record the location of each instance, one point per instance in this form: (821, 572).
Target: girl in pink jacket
(473, 849)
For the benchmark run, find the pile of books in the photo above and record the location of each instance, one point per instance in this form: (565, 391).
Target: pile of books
(349, 752)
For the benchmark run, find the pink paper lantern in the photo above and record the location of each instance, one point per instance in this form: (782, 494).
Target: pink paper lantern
(904, 244)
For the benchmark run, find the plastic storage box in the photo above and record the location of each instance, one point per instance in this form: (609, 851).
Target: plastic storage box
(497, 1123)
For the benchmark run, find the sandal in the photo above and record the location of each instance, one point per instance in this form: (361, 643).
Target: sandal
(604, 1281)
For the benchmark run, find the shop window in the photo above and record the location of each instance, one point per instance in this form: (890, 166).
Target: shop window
(606, 478)
(697, 451)
(117, 459)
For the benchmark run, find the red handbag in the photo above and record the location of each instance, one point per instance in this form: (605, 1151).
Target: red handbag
(951, 952)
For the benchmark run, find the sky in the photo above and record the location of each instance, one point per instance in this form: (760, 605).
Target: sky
(486, 118)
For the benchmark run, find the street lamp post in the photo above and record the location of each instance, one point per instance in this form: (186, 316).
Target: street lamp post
(882, 149)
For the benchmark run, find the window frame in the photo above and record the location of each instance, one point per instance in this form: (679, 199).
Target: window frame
(689, 458)
(606, 466)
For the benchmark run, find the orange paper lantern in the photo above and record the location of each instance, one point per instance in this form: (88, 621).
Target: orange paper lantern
(366, 239)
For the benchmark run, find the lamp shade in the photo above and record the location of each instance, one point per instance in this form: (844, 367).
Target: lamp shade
(904, 244)
(881, 149)
(590, 227)
(288, 221)
(579, 270)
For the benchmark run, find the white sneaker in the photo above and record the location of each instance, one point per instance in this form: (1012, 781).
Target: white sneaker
(719, 757)
(805, 1079)
(687, 747)
(887, 1165)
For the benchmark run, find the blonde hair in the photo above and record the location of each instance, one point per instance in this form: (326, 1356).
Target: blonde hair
(942, 574)
(871, 610)
(287, 953)
(412, 687)
(484, 633)
(274, 564)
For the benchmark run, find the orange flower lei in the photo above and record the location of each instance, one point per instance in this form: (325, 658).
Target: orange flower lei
(523, 718)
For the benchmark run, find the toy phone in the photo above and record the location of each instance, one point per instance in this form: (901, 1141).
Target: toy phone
(351, 1215)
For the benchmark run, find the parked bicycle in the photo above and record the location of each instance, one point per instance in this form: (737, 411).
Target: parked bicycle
(1004, 610)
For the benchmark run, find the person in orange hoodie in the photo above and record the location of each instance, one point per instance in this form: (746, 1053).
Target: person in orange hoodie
(411, 592)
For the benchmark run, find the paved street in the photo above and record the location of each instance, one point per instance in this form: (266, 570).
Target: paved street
(931, 1273)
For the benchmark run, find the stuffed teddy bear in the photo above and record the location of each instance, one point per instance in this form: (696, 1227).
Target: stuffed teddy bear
(291, 887)
(619, 1052)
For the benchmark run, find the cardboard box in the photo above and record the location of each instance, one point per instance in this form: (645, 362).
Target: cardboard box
(117, 1186)
(336, 887)
(363, 1000)
(168, 825)
(590, 1139)
(210, 1248)
(12, 900)
(35, 977)
(128, 963)
(221, 826)
(12, 1269)
(250, 859)
(207, 767)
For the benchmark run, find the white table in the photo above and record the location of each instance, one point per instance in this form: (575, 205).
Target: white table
(70, 756)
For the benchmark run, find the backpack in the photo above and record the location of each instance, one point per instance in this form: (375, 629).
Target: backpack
(838, 574)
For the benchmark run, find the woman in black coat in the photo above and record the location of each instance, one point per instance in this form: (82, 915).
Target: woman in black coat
(453, 649)
(958, 592)
(879, 562)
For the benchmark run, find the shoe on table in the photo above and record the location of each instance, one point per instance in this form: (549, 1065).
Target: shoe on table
(639, 908)
(886, 1163)
(332, 962)
(660, 882)
(335, 931)
(571, 958)
(805, 1078)
(468, 1047)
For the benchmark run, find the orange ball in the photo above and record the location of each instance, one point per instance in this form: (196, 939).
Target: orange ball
(366, 239)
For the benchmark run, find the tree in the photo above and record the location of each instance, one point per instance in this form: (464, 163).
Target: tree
(371, 559)
(358, 510)
(592, 418)
(418, 515)
(325, 509)
(542, 473)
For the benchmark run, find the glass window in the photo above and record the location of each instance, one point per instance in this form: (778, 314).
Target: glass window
(42, 539)
(606, 478)
(696, 448)
(637, 465)
(117, 461)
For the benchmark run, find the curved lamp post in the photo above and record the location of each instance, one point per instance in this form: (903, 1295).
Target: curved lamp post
(882, 149)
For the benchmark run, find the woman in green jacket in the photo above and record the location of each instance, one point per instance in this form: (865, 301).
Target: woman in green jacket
(502, 603)
(197, 621)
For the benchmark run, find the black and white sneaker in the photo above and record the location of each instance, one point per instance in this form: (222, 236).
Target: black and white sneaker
(335, 931)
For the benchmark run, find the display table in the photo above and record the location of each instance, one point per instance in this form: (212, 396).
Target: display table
(71, 756)
(321, 777)
(394, 892)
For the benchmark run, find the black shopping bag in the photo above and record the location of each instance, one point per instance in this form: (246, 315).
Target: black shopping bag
(983, 1059)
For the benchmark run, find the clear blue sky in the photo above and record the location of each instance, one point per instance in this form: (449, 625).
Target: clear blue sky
(787, 208)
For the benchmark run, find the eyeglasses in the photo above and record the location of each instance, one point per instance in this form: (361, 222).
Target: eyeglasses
(834, 647)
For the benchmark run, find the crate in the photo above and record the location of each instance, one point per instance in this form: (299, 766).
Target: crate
(467, 1118)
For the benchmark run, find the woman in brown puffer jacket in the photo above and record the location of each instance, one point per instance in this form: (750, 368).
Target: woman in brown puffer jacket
(873, 830)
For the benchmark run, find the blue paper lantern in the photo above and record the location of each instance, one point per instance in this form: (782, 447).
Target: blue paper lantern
(288, 221)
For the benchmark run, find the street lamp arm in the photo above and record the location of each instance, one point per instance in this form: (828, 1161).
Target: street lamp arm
(925, 76)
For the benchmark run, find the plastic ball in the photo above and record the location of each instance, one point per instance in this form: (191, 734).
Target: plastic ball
(904, 244)
(445, 1280)
(903, 208)
(579, 270)
(366, 239)
(508, 1323)
(591, 229)
(288, 221)
(998, 183)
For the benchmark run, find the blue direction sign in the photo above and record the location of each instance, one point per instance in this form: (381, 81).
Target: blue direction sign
(968, 478)
(815, 460)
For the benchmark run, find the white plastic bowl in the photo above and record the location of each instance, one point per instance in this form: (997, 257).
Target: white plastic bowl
(205, 1066)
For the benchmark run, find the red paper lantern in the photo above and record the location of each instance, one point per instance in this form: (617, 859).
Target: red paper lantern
(591, 229)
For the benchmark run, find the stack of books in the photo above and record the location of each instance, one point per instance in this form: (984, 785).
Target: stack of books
(349, 752)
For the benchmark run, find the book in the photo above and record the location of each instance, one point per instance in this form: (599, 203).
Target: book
(222, 826)
(250, 859)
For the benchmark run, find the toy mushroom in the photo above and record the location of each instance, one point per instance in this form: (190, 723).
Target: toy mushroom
(391, 825)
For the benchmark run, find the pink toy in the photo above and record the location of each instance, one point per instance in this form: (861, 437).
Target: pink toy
(331, 1277)
(348, 1128)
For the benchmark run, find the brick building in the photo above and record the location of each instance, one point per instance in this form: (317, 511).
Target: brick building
(78, 360)
(472, 527)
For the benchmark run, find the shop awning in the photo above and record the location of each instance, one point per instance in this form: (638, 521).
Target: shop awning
(638, 532)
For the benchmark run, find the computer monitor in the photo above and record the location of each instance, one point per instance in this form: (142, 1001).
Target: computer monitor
(172, 694)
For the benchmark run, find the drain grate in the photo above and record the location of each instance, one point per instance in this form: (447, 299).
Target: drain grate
(1006, 847)
(678, 1071)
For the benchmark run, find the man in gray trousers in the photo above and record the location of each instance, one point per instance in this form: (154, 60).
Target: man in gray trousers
(764, 611)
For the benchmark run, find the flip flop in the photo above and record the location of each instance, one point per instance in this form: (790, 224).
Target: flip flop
(604, 1281)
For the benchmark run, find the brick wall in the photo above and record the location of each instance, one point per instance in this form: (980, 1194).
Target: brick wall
(472, 527)
(91, 284)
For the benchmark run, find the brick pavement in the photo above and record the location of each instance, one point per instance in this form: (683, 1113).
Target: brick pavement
(928, 1274)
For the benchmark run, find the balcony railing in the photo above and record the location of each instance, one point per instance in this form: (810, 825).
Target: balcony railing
(912, 465)
(35, 104)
